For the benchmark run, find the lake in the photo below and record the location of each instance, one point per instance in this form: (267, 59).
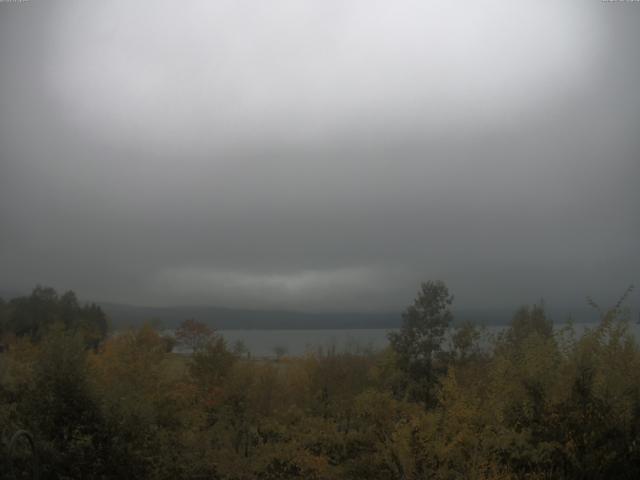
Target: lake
(262, 343)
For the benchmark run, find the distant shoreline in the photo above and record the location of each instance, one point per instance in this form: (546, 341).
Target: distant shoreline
(222, 318)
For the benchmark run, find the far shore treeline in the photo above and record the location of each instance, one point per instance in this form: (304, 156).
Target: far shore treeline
(536, 401)
(122, 316)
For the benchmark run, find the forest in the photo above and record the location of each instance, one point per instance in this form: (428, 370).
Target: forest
(444, 401)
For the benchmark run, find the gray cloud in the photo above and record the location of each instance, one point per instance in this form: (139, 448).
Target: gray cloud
(319, 155)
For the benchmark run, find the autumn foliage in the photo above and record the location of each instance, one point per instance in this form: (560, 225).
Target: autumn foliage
(442, 402)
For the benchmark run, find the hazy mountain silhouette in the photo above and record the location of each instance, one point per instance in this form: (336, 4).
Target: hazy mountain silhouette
(227, 318)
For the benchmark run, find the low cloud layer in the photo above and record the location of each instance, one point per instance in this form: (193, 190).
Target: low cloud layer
(319, 156)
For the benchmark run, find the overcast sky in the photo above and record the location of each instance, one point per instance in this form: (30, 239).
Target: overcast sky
(320, 155)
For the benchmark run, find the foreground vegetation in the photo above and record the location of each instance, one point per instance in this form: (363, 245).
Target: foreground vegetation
(537, 403)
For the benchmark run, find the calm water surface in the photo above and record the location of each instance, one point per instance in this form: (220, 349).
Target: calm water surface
(263, 343)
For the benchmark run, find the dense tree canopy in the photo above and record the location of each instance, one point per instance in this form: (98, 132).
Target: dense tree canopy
(35, 314)
(531, 403)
